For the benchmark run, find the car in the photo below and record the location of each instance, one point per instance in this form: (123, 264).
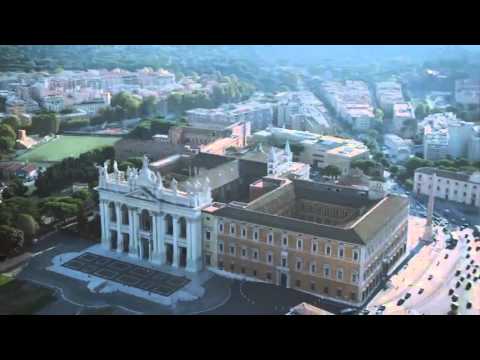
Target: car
(472, 262)
(474, 271)
(477, 248)
(454, 298)
(468, 286)
(381, 308)
(467, 256)
(420, 291)
(365, 312)
(457, 285)
(469, 305)
(461, 279)
(400, 302)
(407, 296)
(430, 277)
(469, 248)
(450, 292)
(468, 267)
(469, 276)
(454, 306)
(446, 256)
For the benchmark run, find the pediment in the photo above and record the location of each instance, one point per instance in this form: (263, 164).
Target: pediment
(142, 194)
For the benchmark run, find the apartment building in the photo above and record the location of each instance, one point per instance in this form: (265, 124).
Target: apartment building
(316, 150)
(467, 92)
(388, 94)
(398, 148)
(404, 123)
(331, 241)
(453, 186)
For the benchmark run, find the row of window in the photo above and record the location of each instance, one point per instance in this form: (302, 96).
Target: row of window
(299, 265)
(299, 244)
(298, 282)
(447, 181)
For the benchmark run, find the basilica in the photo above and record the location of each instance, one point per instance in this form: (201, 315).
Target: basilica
(147, 220)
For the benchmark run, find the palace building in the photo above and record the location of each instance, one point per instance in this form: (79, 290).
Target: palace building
(332, 241)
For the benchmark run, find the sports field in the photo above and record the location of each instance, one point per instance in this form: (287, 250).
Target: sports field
(66, 146)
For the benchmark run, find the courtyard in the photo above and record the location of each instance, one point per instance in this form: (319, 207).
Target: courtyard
(66, 146)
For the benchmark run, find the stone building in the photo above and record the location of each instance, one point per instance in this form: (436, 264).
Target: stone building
(331, 241)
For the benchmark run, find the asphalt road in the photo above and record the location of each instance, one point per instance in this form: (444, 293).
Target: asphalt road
(222, 297)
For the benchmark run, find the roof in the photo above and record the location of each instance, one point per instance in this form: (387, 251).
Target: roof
(307, 309)
(460, 176)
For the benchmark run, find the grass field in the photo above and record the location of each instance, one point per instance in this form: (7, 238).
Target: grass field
(4, 279)
(66, 146)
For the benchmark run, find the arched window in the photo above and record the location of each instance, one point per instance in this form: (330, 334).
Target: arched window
(113, 212)
(183, 227)
(145, 221)
(169, 224)
(125, 215)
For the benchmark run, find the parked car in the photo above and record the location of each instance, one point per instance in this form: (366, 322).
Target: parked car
(454, 298)
(430, 277)
(400, 302)
(407, 295)
(420, 292)
(457, 273)
(450, 292)
(468, 286)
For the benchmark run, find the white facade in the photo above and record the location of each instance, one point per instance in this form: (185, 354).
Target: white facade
(449, 185)
(398, 148)
(141, 217)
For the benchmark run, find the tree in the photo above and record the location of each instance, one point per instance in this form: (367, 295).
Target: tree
(28, 225)
(11, 239)
(414, 163)
(7, 131)
(13, 121)
(59, 208)
(45, 123)
(148, 106)
(6, 144)
(331, 171)
(421, 111)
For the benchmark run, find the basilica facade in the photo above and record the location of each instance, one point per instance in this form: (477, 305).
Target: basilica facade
(146, 220)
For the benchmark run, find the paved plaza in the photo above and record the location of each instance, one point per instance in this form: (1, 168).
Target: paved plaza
(127, 274)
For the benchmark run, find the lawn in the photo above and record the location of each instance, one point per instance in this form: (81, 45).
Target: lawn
(66, 146)
(4, 279)
(23, 297)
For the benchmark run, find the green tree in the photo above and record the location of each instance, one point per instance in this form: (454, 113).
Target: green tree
(331, 171)
(45, 124)
(6, 144)
(421, 111)
(13, 121)
(28, 225)
(10, 239)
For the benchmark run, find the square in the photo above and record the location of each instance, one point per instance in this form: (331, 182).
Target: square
(102, 261)
(128, 280)
(90, 269)
(119, 266)
(74, 264)
(106, 274)
(88, 257)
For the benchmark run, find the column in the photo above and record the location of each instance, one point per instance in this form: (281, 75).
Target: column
(153, 240)
(176, 233)
(119, 230)
(105, 222)
(195, 245)
(161, 238)
(130, 231)
(134, 251)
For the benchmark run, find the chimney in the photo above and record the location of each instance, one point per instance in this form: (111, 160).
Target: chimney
(22, 135)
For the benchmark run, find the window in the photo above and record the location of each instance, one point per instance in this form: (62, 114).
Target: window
(208, 260)
(255, 235)
(339, 292)
(325, 289)
(312, 286)
(353, 296)
(232, 267)
(220, 247)
(341, 252)
(314, 246)
(356, 255)
(328, 250)
(299, 244)
(313, 268)
(207, 235)
(326, 270)
(255, 254)
(244, 232)
(284, 261)
(299, 265)
(354, 277)
(269, 258)
(269, 276)
(270, 238)
(285, 240)
(254, 272)
(220, 227)
(298, 283)
(339, 274)
(220, 265)
(242, 270)
(233, 229)
(244, 252)
(232, 250)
